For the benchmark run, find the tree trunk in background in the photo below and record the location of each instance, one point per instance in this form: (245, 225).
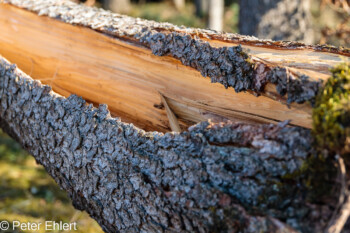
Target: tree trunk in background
(216, 14)
(119, 6)
(202, 7)
(179, 4)
(276, 19)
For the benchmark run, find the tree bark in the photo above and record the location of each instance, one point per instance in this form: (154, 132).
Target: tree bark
(276, 19)
(216, 14)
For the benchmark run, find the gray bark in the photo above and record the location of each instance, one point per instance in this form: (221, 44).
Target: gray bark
(276, 19)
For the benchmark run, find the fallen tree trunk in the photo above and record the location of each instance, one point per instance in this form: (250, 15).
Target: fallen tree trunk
(216, 176)
(211, 178)
(120, 70)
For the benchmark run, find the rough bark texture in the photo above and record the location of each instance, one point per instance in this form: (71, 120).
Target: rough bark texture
(215, 177)
(276, 19)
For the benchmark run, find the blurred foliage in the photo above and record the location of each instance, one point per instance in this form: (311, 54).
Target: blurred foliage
(165, 12)
(29, 194)
(331, 22)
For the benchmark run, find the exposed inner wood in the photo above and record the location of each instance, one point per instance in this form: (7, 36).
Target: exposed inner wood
(129, 78)
(174, 124)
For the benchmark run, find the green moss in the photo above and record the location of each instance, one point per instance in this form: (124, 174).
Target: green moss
(331, 115)
(331, 130)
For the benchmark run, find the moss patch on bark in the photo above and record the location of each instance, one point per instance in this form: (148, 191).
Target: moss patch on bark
(331, 115)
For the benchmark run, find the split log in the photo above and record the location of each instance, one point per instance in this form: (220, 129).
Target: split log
(216, 176)
(115, 63)
(212, 178)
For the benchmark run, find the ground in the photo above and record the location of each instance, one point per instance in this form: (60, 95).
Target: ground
(29, 194)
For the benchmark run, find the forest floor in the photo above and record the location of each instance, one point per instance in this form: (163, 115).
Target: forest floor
(29, 194)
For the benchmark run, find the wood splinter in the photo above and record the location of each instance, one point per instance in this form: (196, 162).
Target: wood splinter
(174, 123)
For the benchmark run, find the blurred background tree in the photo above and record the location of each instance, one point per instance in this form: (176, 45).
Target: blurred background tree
(277, 19)
(216, 14)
